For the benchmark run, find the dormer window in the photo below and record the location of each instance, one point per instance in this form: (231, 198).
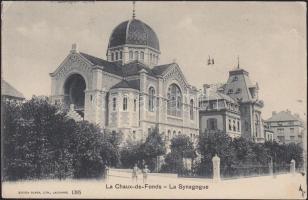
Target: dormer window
(121, 55)
(238, 90)
(230, 91)
(117, 55)
(235, 78)
(112, 56)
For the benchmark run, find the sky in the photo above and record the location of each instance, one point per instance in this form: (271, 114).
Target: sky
(268, 37)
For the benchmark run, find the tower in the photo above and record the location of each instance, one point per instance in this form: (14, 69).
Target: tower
(241, 88)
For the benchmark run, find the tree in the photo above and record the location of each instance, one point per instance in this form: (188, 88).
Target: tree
(130, 154)
(153, 147)
(181, 147)
(143, 152)
(89, 145)
(39, 141)
(210, 144)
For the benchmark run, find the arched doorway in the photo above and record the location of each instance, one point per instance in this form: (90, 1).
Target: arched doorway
(74, 91)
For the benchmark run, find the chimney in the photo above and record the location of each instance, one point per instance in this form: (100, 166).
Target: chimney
(274, 113)
(205, 88)
(74, 48)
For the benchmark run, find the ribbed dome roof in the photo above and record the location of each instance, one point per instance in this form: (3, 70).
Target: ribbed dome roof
(134, 32)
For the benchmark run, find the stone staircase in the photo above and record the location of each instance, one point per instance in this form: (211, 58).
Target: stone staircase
(73, 114)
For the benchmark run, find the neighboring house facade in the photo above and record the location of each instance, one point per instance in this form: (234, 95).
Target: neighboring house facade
(9, 93)
(240, 87)
(287, 127)
(219, 112)
(129, 91)
(242, 94)
(268, 133)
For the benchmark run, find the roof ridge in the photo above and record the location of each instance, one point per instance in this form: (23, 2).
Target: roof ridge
(10, 90)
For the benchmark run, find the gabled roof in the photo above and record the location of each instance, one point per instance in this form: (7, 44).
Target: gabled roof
(129, 69)
(134, 67)
(10, 91)
(110, 67)
(133, 84)
(283, 116)
(160, 69)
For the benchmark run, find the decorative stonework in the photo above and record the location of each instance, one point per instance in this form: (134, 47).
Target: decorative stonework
(73, 62)
(174, 74)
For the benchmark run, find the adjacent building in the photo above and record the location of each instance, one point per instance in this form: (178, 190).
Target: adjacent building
(237, 105)
(9, 93)
(287, 127)
(219, 112)
(268, 133)
(129, 91)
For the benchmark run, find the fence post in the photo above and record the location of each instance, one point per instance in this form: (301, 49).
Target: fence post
(292, 167)
(216, 168)
(271, 167)
(106, 173)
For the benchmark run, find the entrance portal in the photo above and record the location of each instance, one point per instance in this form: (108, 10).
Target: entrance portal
(74, 88)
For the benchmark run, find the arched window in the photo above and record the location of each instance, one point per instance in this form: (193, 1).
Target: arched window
(151, 99)
(136, 55)
(117, 55)
(125, 103)
(114, 104)
(141, 55)
(230, 127)
(150, 57)
(174, 106)
(169, 134)
(179, 133)
(130, 55)
(234, 129)
(135, 105)
(174, 133)
(112, 56)
(191, 109)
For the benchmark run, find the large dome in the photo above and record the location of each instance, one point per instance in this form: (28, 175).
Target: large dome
(133, 32)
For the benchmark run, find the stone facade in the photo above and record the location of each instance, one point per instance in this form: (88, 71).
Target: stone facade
(126, 93)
